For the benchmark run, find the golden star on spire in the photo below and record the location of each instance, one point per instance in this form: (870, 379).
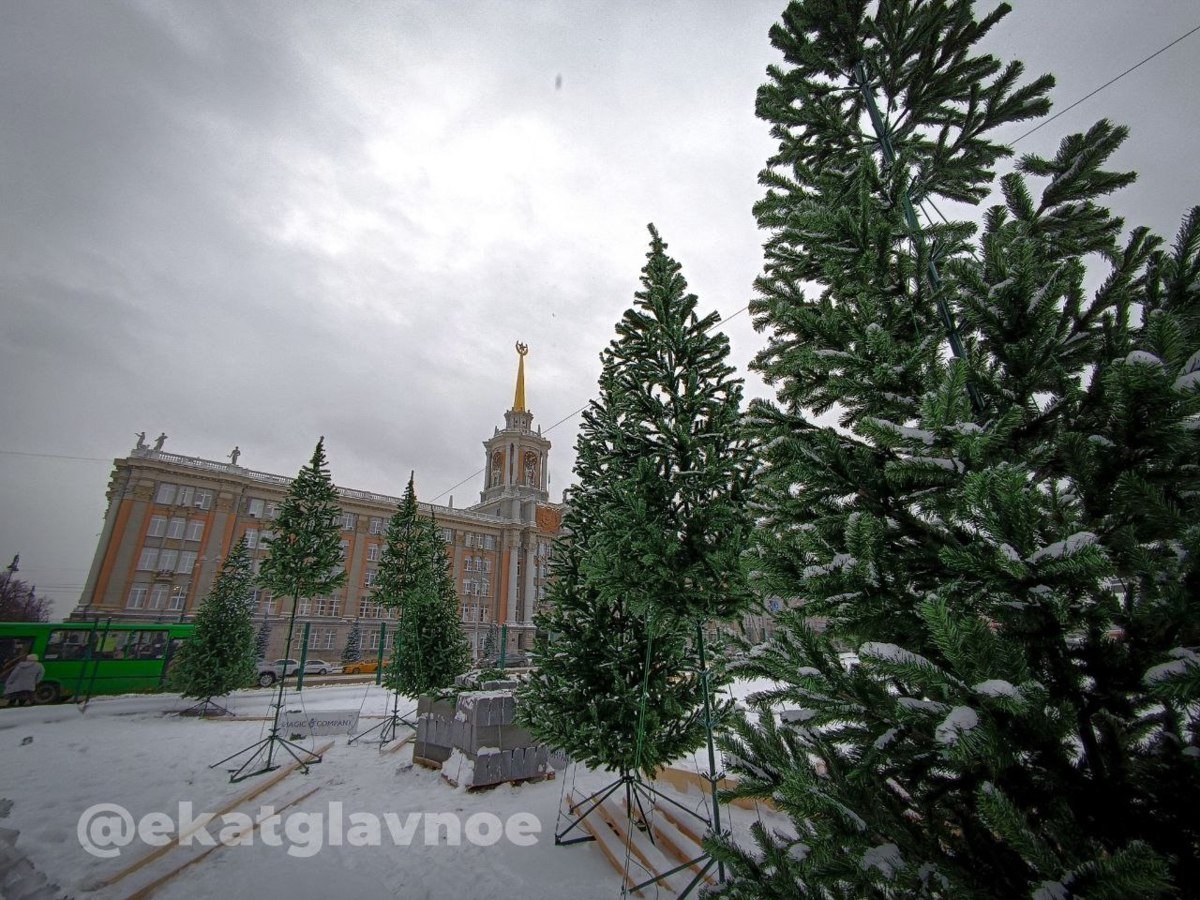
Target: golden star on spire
(519, 396)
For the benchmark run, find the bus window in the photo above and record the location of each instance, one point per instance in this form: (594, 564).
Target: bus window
(65, 645)
(12, 651)
(146, 645)
(112, 645)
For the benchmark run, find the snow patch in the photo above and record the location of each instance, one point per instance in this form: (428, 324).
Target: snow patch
(1050, 890)
(886, 858)
(1069, 547)
(1142, 358)
(1184, 659)
(997, 687)
(892, 653)
(961, 720)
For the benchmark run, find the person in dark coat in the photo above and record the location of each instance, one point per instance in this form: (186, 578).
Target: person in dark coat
(23, 680)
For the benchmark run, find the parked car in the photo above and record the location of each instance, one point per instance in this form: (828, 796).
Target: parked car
(361, 667)
(270, 672)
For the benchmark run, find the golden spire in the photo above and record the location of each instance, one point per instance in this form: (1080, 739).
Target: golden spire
(519, 396)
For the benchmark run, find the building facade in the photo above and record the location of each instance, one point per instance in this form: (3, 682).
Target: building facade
(172, 520)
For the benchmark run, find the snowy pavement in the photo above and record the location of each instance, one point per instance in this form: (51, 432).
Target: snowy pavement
(129, 751)
(132, 751)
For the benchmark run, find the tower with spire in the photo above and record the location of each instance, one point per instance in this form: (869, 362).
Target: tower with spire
(515, 478)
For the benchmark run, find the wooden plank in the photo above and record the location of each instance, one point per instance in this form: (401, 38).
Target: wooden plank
(250, 794)
(603, 839)
(153, 886)
(618, 820)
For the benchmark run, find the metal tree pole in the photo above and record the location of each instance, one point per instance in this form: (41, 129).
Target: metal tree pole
(713, 777)
(268, 743)
(910, 217)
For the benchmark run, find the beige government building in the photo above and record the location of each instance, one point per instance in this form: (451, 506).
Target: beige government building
(172, 519)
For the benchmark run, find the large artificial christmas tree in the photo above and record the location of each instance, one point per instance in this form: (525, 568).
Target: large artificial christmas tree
(304, 560)
(655, 531)
(219, 657)
(429, 649)
(1005, 523)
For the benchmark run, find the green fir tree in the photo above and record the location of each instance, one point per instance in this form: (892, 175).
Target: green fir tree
(304, 556)
(656, 529)
(262, 641)
(429, 649)
(352, 652)
(1005, 524)
(219, 656)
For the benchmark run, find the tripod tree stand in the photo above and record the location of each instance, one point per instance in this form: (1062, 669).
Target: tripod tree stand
(303, 560)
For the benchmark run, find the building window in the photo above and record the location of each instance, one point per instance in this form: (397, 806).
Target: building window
(158, 595)
(268, 606)
(149, 559)
(185, 495)
(272, 510)
(158, 526)
(254, 508)
(373, 641)
(251, 537)
(369, 577)
(448, 535)
(344, 549)
(176, 528)
(166, 494)
(195, 530)
(348, 521)
(187, 560)
(167, 560)
(178, 595)
(137, 597)
(489, 542)
(376, 525)
(328, 607)
(303, 606)
(372, 553)
(204, 499)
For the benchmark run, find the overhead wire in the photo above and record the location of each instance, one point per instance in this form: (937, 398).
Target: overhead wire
(1106, 84)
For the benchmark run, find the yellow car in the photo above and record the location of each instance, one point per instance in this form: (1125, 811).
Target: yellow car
(360, 668)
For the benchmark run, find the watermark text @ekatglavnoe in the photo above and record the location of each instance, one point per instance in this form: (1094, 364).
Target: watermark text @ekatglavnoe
(105, 829)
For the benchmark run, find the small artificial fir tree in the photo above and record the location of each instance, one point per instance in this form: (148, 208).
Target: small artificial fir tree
(262, 641)
(1005, 524)
(352, 652)
(304, 557)
(655, 529)
(429, 649)
(219, 657)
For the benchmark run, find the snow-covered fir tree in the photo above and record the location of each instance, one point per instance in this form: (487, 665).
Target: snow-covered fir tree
(262, 640)
(1005, 523)
(304, 555)
(429, 649)
(352, 652)
(656, 527)
(219, 657)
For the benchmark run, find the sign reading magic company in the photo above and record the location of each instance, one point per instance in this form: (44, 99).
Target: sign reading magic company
(334, 721)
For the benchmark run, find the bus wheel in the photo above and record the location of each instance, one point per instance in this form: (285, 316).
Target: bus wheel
(47, 692)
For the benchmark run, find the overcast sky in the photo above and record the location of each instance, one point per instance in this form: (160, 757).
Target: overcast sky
(257, 223)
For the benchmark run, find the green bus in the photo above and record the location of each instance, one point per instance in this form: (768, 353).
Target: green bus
(86, 658)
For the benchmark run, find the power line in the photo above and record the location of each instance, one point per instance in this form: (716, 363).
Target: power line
(1108, 83)
(55, 456)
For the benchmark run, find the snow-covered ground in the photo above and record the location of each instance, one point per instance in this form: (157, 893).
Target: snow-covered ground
(59, 762)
